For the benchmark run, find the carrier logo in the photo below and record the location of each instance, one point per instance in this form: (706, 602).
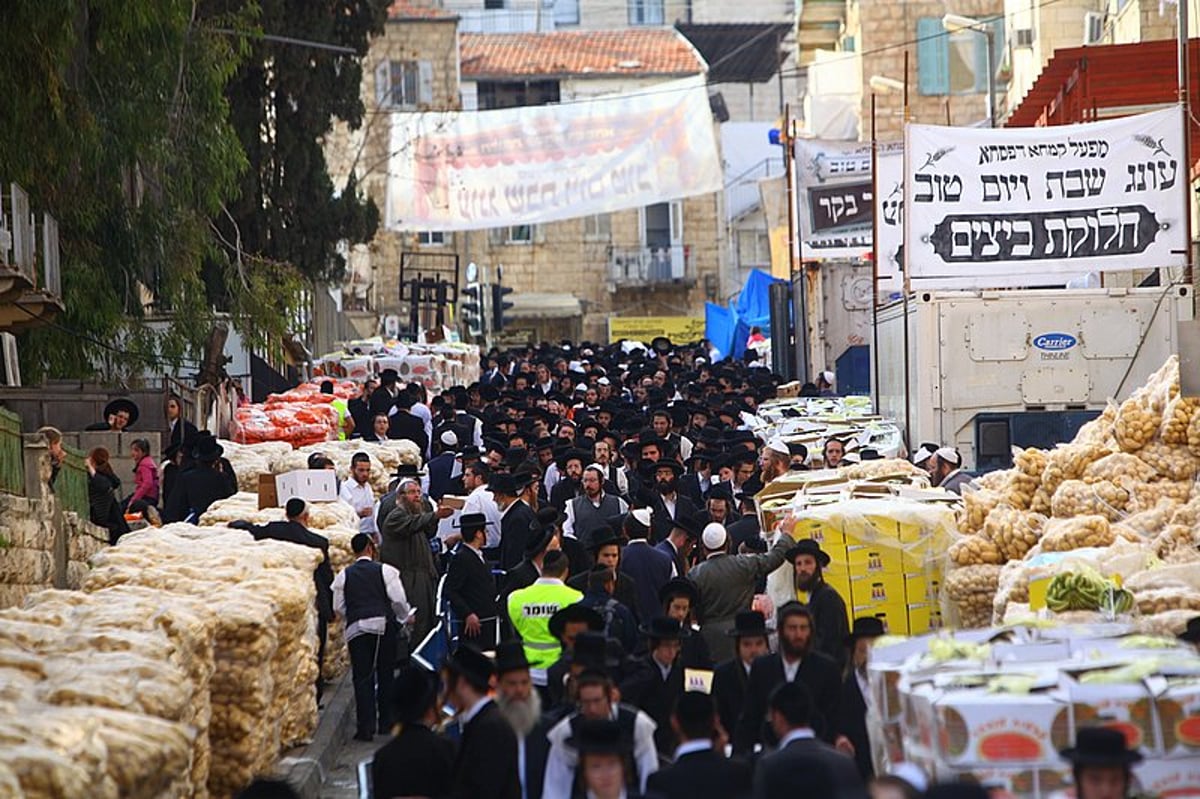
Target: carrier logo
(1055, 342)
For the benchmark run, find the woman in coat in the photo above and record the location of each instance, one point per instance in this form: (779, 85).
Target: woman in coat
(103, 488)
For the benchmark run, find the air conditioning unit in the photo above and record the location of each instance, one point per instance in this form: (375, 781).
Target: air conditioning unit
(1023, 37)
(1093, 27)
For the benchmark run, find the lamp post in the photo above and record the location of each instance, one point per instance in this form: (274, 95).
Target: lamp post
(953, 23)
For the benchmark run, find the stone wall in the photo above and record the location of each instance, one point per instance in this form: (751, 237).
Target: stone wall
(35, 553)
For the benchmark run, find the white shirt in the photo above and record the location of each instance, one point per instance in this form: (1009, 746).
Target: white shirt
(373, 625)
(670, 505)
(691, 747)
(422, 412)
(563, 759)
(569, 523)
(360, 497)
(798, 734)
(790, 668)
(480, 500)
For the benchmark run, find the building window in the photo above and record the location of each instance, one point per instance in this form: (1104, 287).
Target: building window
(955, 63)
(516, 234)
(432, 238)
(597, 227)
(566, 12)
(493, 4)
(516, 94)
(403, 84)
(754, 248)
(646, 12)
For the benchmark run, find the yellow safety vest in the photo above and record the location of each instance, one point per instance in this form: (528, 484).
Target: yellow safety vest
(530, 610)
(342, 408)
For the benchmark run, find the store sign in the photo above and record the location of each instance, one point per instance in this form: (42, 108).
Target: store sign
(889, 210)
(680, 329)
(518, 166)
(834, 198)
(1027, 206)
(1054, 342)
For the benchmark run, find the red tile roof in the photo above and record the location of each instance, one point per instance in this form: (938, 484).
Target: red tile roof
(650, 51)
(407, 9)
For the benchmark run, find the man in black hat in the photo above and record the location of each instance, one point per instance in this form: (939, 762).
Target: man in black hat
(655, 681)
(604, 760)
(580, 632)
(599, 586)
(683, 533)
(679, 598)
(470, 587)
(522, 707)
(696, 484)
(591, 513)
(803, 767)
(403, 424)
(200, 486)
(699, 770)
(119, 416)
(369, 596)
(669, 505)
(569, 486)
(648, 566)
(830, 621)
(606, 553)
(746, 529)
(856, 689)
(417, 761)
(749, 634)
(796, 661)
(486, 766)
(1101, 763)
(516, 517)
(719, 507)
(543, 537)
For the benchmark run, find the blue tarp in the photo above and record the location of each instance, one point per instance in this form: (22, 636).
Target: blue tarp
(728, 328)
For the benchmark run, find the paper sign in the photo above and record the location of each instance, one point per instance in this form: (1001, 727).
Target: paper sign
(699, 680)
(1037, 592)
(314, 485)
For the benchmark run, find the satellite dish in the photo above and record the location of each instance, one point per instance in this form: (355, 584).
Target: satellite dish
(472, 272)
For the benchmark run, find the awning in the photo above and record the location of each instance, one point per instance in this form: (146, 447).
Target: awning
(1084, 84)
(748, 52)
(545, 305)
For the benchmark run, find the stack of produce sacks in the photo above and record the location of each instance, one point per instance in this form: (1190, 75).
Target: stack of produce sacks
(261, 595)
(1125, 484)
(276, 457)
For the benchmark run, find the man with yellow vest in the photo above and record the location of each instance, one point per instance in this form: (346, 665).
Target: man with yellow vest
(530, 610)
(345, 422)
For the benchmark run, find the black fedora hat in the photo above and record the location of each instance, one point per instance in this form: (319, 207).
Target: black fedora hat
(721, 491)
(807, 546)
(664, 629)
(509, 484)
(597, 737)
(690, 524)
(604, 535)
(575, 613)
(592, 651)
(510, 656)
(546, 518)
(661, 344)
(540, 537)
(1191, 633)
(413, 693)
(207, 450)
(122, 404)
(1100, 746)
(669, 463)
(471, 521)
(678, 586)
(407, 470)
(865, 627)
(572, 454)
(471, 663)
(748, 624)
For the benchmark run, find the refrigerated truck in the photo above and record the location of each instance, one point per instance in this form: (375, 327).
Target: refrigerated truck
(989, 370)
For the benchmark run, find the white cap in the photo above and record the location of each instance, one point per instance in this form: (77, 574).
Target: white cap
(643, 515)
(575, 366)
(921, 455)
(581, 387)
(604, 381)
(829, 376)
(714, 536)
(949, 455)
(912, 774)
(778, 445)
(449, 439)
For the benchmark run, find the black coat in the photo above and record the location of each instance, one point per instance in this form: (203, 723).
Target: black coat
(514, 533)
(818, 673)
(831, 625)
(579, 560)
(746, 528)
(194, 491)
(689, 486)
(650, 569)
(625, 593)
(406, 426)
(537, 752)
(729, 691)
(417, 762)
(707, 774)
(563, 492)
(661, 524)
(184, 433)
(296, 533)
(646, 689)
(440, 467)
(807, 769)
(681, 565)
(853, 724)
(486, 767)
(470, 587)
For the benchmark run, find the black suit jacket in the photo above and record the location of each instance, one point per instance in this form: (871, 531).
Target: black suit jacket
(831, 624)
(689, 486)
(537, 752)
(853, 724)
(470, 586)
(563, 492)
(296, 533)
(661, 524)
(404, 425)
(646, 689)
(818, 673)
(702, 775)
(729, 691)
(417, 762)
(183, 433)
(625, 593)
(514, 533)
(194, 490)
(807, 769)
(486, 767)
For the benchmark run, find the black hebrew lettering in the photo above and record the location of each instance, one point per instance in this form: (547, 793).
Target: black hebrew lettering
(839, 206)
(1056, 235)
(1005, 188)
(1157, 175)
(938, 188)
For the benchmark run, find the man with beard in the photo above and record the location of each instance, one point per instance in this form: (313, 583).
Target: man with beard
(835, 451)
(592, 513)
(406, 532)
(830, 623)
(521, 705)
(796, 661)
(775, 460)
(669, 505)
(570, 469)
(749, 634)
(719, 507)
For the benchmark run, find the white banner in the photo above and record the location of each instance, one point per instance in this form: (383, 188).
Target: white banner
(485, 169)
(1032, 206)
(889, 210)
(834, 198)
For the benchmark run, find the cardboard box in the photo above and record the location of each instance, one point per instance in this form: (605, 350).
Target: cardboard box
(894, 615)
(451, 501)
(1158, 777)
(313, 485)
(1177, 707)
(876, 589)
(978, 728)
(873, 560)
(1020, 783)
(267, 497)
(923, 587)
(828, 534)
(1128, 707)
(925, 618)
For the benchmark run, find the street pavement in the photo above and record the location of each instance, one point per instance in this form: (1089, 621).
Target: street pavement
(342, 781)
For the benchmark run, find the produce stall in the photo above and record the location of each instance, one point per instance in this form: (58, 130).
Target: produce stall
(437, 366)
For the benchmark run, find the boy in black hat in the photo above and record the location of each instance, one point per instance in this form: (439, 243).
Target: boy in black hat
(828, 609)
(729, 678)
(197, 488)
(679, 598)
(603, 759)
(855, 690)
(470, 588)
(1101, 763)
(486, 766)
(656, 679)
(416, 761)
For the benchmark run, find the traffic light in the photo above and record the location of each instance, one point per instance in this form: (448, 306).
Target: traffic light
(499, 306)
(471, 310)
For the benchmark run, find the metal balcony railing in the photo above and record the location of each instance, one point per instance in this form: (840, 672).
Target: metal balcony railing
(644, 266)
(17, 243)
(505, 20)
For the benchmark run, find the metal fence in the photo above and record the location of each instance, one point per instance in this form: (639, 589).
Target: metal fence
(71, 485)
(12, 453)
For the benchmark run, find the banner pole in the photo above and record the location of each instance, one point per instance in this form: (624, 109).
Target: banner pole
(1185, 101)
(874, 260)
(907, 288)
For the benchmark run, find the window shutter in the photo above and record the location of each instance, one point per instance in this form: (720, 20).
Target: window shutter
(383, 84)
(425, 82)
(497, 236)
(537, 234)
(933, 57)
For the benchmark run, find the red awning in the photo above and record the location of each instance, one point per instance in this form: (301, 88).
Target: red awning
(1084, 84)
